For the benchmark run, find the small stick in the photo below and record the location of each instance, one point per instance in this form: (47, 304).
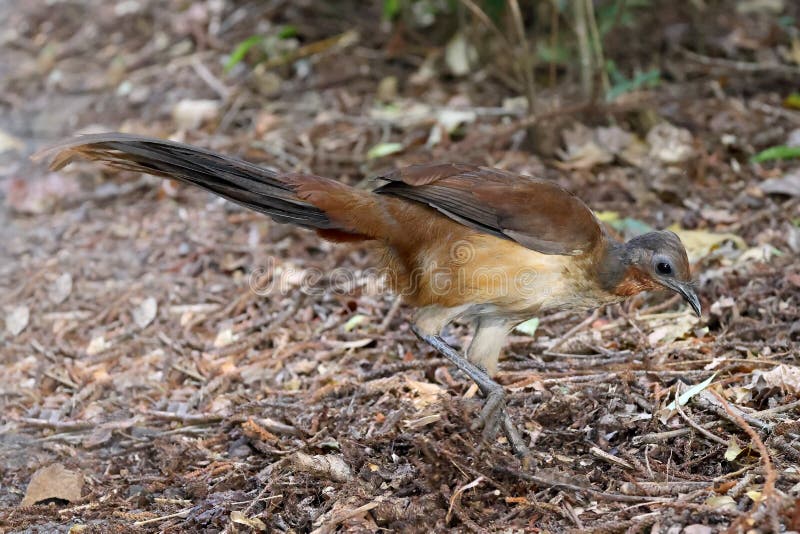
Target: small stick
(193, 418)
(771, 476)
(610, 458)
(703, 431)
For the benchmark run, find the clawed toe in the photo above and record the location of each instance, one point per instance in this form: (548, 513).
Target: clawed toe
(492, 414)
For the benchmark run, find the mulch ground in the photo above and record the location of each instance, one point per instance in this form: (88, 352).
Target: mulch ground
(170, 348)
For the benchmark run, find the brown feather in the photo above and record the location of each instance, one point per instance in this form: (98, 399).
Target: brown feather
(536, 213)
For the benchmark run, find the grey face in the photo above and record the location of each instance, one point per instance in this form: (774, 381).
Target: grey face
(662, 256)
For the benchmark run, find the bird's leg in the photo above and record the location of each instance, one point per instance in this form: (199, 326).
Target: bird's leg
(493, 414)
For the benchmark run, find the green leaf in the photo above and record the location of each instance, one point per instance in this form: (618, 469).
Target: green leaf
(241, 50)
(792, 101)
(684, 397)
(384, 149)
(354, 322)
(391, 8)
(649, 78)
(777, 152)
(528, 327)
(287, 31)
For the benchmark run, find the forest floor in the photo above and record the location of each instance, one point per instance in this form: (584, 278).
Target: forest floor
(167, 367)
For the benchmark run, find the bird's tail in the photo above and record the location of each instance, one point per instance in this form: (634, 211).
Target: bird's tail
(335, 210)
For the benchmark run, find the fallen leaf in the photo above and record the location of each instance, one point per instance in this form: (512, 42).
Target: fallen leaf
(387, 89)
(668, 327)
(528, 327)
(329, 466)
(755, 496)
(763, 253)
(734, 449)
(788, 184)
(582, 150)
(700, 243)
(785, 377)
(384, 149)
(53, 482)
(252, 522)
(60, 289)
(670, 144)
(723, 303)
(189, 114)
(450, 119)
(686, 396)
(354, 322)
(17, 319)
(427, 393)
(721, 502)
(9, 142)
(413, 424)
(696, 528)
(460, 55)
(97, 345)
(224, 337)
(145, 312)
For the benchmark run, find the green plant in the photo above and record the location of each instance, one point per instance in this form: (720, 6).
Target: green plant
(777, 153)
(257, 41)
(622, 85)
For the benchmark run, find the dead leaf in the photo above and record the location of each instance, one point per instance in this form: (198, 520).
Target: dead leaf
(17, 319)
(670, 144)
(60, 289)
(734, 449)
(460, 55)
(426, 392)
(687, 395)
(387, 89)
(252, 522)
(53, 482)
(700, 243)
(354, 322)
(413, 424)
(450, 119)
(97, 345)
(9, 142)
(329, 466)
(788, 184)
(672, 328)
(582, 150)
(721, 502)
(224, 337)
(785, 377)
(145, 312)
(190, 114)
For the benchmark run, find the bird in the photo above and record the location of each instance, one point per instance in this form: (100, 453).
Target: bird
(454, 241)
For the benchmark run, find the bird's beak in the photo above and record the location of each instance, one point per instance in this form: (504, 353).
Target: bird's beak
(686, 290)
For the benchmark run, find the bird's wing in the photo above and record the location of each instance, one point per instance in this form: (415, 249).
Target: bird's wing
(538, 214)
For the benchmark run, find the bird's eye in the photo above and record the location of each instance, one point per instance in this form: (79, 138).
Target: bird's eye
(663, 267)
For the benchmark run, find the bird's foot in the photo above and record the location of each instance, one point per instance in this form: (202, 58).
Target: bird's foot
(493, 416)
(494, 409)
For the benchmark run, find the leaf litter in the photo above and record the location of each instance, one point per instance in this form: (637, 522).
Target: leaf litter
(294, 412)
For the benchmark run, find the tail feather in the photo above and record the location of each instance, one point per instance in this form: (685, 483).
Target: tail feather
(249, 185)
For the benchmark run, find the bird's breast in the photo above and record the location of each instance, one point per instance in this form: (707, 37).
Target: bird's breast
(497, 276)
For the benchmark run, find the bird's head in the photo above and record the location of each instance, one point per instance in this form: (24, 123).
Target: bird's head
(656, 260)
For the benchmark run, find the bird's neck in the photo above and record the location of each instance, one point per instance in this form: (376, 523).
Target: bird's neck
(612, 265)
(617, 272)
